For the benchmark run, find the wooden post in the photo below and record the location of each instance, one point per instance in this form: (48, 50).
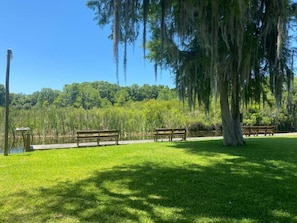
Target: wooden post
(9, 54)
(25, 131)
(27, 142)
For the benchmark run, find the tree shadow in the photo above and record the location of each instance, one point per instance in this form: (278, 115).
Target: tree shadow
(255, 148)
(231, 191)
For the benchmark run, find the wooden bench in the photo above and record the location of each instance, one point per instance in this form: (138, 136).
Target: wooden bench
(170, 133)
(270, 130)
(98, 135)
(87, 135)
(256, 130)
(105, 135)
(180, 132)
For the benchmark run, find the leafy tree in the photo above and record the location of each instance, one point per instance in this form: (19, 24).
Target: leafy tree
(47, 96)
(135, 93)
(70, 96)
(106, 90)
(149, 92)
(165, 93)
(121, 97)
(31, 99)
(2, 95)
(17, 100)
(214, 47)
(90, 97)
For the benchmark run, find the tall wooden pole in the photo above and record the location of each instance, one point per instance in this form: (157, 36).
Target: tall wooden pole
(9, 54)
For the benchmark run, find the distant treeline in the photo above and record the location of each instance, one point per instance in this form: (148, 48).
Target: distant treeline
(88, 95)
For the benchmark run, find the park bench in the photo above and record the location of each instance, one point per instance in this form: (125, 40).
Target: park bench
(170, 133)
(83, 135)
(256, 130)
(180, 132)
(107, 135)
(98, 135)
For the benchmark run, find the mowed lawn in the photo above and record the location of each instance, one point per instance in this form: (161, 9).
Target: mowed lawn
(174, 182)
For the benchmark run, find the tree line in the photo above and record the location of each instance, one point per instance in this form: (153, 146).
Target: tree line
(87, 95)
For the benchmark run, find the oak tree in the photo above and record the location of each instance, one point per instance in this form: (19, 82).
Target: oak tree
(214, 47)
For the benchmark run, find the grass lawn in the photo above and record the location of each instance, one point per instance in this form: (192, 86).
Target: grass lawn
(174, 182)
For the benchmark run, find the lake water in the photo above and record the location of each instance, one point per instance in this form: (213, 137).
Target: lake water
(13, 150)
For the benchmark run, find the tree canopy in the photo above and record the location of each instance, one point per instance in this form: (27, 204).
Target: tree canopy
(227, 48)
(88, 95)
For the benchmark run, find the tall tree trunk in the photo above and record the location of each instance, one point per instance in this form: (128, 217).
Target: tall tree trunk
(230, 116)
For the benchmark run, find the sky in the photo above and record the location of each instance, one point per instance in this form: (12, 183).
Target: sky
(56, 42)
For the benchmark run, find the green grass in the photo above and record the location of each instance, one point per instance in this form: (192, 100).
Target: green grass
(194, 181)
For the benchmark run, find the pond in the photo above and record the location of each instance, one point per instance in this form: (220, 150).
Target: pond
(13, 150)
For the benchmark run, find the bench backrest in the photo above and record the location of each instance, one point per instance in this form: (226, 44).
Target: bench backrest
(179, 130)
(87, 132)
(109, 132)
(164, 131)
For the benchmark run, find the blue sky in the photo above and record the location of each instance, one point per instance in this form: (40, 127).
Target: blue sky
(58, 42)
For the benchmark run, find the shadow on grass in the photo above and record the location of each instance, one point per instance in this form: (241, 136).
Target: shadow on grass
(262, 148)
(244, 188)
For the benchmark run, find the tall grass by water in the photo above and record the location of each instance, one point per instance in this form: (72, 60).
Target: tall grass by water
(193, 181)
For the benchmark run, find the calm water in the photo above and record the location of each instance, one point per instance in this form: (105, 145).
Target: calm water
(13, 150)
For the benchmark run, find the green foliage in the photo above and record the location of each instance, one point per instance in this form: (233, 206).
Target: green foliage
(226, 48)
(88, 95)
(134, 119)
(2, 95)
(136, 112)
(46, 97)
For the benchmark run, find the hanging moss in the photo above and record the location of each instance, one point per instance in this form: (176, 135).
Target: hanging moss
(209, 45)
